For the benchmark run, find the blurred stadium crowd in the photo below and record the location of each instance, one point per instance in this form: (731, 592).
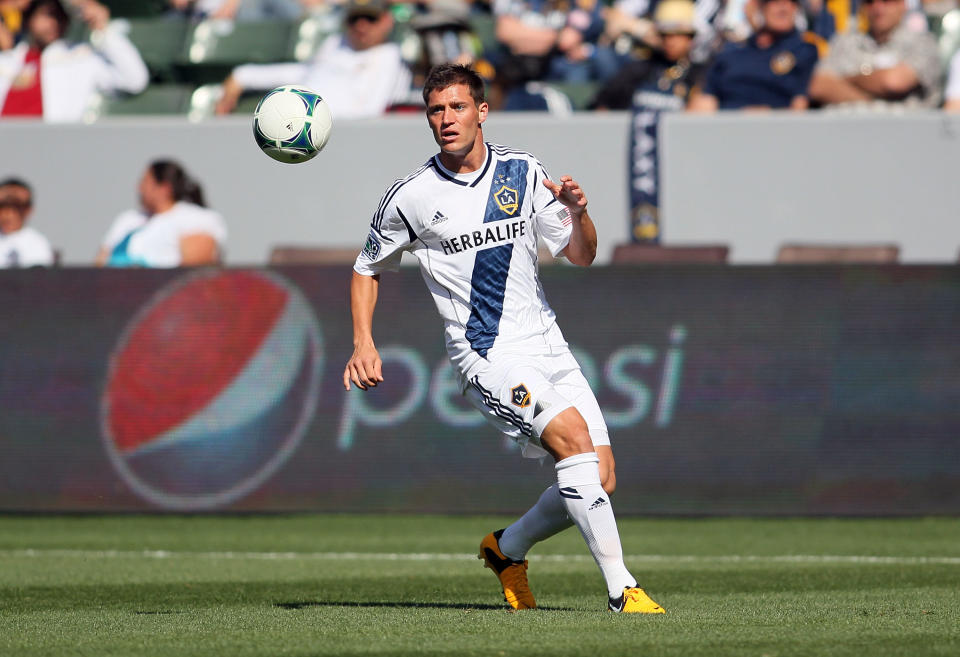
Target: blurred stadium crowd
(81, 60)
(203, 57)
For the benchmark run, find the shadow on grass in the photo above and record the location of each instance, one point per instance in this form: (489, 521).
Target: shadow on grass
(301, 604)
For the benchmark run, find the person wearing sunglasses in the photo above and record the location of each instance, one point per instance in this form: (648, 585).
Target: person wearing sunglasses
(891, 64)
(20, 245)
(359, 72)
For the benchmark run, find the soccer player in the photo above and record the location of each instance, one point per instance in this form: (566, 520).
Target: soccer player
(472, 215)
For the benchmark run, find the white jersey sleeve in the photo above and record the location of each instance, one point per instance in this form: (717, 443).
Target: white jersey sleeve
(390, 235)
(552, 220)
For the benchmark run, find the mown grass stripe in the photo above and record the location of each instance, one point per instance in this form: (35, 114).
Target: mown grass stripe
(441, 556)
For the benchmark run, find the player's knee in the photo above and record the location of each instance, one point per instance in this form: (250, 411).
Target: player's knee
(567, 435)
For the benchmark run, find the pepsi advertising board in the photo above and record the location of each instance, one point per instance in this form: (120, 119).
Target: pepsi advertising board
(727, 390)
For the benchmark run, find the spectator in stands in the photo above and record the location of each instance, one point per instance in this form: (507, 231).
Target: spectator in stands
(650, 87)
(891, 63)
(665, 69)
(741, 18)
(630, 26)
(11, 21)
(543, 40)
(20, 245)
(45, 76)
(172, 227)
(770, 70)
(243, 10)
(445, 36)
(360, 73)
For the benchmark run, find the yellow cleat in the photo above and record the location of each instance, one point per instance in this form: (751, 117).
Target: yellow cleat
(512, 574)
(635, 601)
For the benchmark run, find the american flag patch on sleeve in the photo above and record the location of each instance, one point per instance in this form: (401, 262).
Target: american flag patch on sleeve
(565, 217)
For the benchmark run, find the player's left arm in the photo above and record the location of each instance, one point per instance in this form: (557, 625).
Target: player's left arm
(582, 248)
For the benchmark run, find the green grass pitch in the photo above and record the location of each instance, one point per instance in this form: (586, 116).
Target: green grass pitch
(410, 585)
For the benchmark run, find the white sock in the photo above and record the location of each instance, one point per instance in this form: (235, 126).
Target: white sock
(589, 506)
(544, 519)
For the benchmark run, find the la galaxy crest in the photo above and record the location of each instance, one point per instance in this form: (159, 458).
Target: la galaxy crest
(520, 396)
(507, 198)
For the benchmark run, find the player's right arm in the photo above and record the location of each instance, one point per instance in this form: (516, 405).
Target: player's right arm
(364, 366)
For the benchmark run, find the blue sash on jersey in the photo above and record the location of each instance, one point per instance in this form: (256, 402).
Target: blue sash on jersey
(491, 266)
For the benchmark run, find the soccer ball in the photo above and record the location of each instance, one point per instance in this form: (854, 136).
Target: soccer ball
(292, 124)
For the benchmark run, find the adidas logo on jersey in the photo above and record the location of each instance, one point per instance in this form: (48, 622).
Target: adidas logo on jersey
(597, 504)
(438, 218)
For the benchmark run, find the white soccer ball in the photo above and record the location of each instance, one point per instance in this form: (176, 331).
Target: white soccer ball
(292, 124)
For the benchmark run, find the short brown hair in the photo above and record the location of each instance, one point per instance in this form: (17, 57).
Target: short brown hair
(446, 75)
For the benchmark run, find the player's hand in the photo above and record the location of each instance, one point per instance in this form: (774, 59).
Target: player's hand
(569, 193)
(364, 368)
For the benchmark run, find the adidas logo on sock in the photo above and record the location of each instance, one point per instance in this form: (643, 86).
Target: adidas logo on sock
(597, 504)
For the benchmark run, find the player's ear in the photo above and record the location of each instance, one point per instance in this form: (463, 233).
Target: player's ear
(482, 110)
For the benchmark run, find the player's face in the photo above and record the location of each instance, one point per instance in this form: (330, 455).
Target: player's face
(15, 204)
(455, 119)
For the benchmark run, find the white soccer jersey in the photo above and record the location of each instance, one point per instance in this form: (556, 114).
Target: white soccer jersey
(475, 236)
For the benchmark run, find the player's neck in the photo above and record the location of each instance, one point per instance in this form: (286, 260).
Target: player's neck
(465, 162)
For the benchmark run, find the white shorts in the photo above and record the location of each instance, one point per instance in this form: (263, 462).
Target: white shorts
(521, 394)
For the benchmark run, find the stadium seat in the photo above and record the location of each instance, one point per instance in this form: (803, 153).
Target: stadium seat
(214, 47)
(485, 27)
(160, 42)
(579, 93)
(948, 35)
(838, 253)
(136, 8)
(312, 255)
(307, 35)
(635, 254)
(156, 99)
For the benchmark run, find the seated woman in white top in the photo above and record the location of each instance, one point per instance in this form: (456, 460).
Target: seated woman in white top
(172, 228)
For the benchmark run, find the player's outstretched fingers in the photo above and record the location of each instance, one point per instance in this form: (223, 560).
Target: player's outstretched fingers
(552, 186)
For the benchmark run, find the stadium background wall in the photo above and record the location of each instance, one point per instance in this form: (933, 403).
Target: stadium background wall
(732, 390)
(750, 181)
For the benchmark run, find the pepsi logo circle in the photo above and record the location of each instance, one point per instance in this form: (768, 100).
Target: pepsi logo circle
(211, 387)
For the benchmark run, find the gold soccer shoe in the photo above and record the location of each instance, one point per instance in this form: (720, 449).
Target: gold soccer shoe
(635, 601)
(512, 574)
